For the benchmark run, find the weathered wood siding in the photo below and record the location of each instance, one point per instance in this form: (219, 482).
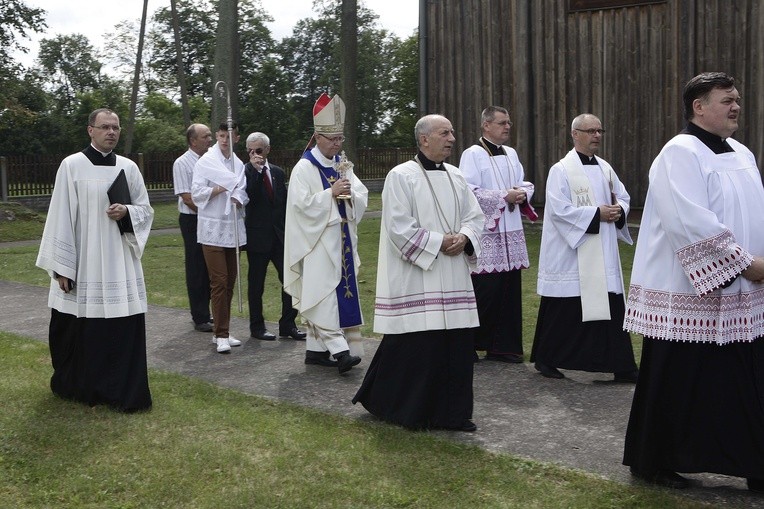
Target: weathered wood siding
(626, 65)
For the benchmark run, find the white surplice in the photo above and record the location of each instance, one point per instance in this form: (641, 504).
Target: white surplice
(503, 240)
(703, 222)
(82, 243)
(216, 225)
(565, 225)
(418, 287)
(313, 240)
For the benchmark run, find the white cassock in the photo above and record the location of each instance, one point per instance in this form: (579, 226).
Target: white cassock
(82, 243)
(419, 288)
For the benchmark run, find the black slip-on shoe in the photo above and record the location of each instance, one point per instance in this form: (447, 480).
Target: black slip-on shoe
(662, 477)
(264, 335)
(548, 371)
(293, 333)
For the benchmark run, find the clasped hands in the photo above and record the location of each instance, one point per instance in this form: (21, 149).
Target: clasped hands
(515, 196)
(453, 244)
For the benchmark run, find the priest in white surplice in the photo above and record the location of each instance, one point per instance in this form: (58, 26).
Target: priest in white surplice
(421, 374)
(497, 178)
(580, 319)
(92, 250)
(325, 203)
(696, 295)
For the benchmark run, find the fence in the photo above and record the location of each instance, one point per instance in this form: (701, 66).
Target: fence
(34, 175)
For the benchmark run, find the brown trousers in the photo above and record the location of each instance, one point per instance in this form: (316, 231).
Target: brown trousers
(222, 267)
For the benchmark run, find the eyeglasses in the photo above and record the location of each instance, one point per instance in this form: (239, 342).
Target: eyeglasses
(257, 150)
(106, 127)
(503, 122)
(590, 132)
(335, 139)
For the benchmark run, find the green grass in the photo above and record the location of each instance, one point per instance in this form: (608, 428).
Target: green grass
(206, 447)
(19, 223)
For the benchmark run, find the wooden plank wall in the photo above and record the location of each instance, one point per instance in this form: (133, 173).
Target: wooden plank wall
(625, 65)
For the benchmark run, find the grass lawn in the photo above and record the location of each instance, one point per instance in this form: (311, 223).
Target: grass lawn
(202, 446)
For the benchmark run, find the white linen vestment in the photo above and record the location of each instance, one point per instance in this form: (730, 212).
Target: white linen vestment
(216, 214)
(419, 288)
(313, 240)
(502, 240)
(565, 225)
(683, 258)
(82, 243)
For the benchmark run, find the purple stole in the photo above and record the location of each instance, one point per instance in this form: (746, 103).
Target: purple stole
(347, 291)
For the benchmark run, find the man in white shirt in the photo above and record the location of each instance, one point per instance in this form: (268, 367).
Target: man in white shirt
(199, 139)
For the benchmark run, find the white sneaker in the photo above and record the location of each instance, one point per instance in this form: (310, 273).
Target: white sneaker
(223, 345)
(232, 341)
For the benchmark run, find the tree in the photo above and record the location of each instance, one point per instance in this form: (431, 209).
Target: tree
(198, 20)
(401, 99)
(136, 81)
(70, 65)
(349, 72)
(16, 19)
(179, 61)
(226, 62)
(312, 60)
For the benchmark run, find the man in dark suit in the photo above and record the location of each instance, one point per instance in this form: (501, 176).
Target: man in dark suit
(264, 221)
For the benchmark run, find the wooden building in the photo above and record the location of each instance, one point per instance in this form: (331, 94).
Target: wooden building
(625, 61)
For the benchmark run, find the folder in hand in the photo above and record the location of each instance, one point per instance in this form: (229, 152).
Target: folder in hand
(119, 192)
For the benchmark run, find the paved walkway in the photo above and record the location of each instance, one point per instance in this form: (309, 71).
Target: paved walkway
(575, 422)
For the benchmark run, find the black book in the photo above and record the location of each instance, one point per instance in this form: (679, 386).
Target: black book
(119, 192)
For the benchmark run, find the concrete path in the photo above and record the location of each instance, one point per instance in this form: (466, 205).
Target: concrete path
(575, 422)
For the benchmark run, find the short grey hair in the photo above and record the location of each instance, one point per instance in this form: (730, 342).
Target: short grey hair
(490, 113)
(576, 124)
(258, 136)
(424, 126)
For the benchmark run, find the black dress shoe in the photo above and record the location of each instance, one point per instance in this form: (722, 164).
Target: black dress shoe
(756, 485)
(468, 426)
(264, 335)
(548, 371)
(511, 358)
(319, 359)
(345, 361)
(662, 477)
(626, 377)
(293, 333)
(203, 327)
